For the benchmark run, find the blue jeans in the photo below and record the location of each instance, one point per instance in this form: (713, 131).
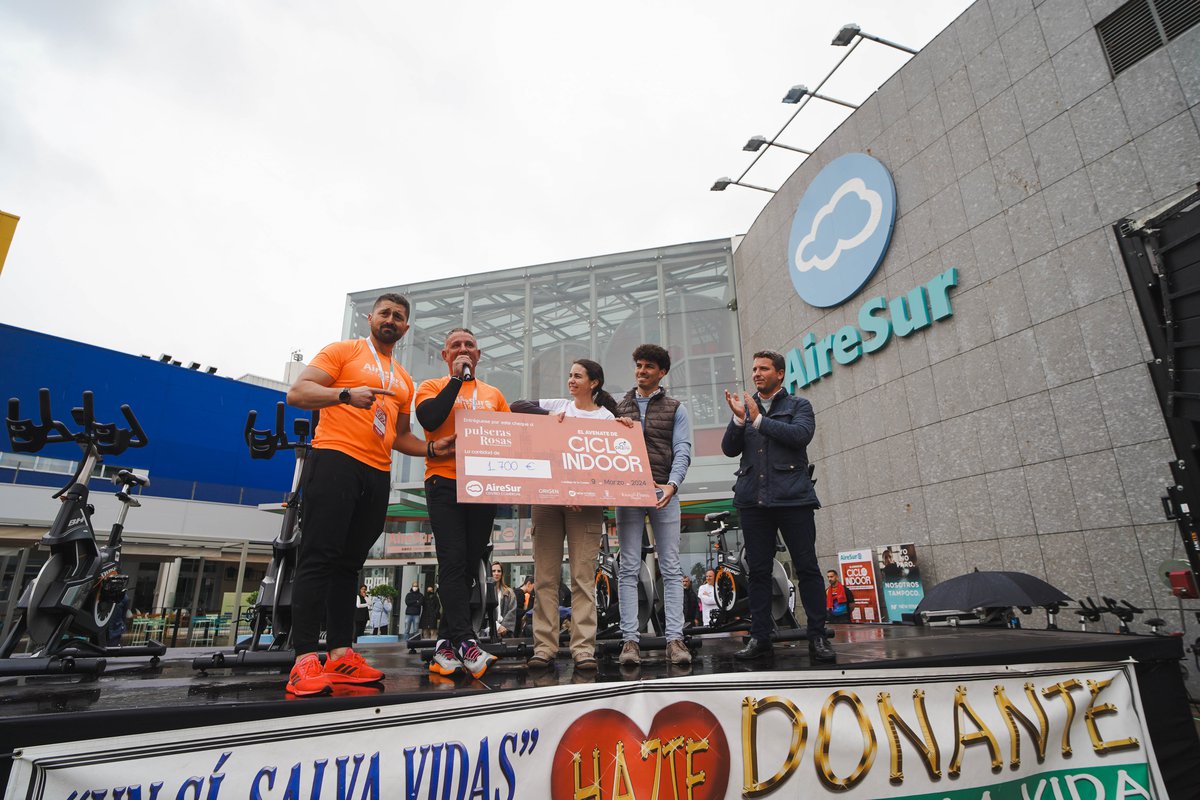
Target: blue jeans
(412, 624)
(665, 523)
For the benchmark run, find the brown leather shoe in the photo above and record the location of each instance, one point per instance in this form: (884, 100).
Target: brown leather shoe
(631, 654)
(677, 653)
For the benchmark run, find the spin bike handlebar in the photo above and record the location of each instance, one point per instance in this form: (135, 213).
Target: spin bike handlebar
(29, 437)
(264, 443)
(1090, 611)
(108, 439)
(1125, 611)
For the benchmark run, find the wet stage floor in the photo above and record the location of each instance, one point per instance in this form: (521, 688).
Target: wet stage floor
(131, 686)
(131, 697)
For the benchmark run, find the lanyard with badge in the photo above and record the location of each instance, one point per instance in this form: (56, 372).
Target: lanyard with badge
(380, 422)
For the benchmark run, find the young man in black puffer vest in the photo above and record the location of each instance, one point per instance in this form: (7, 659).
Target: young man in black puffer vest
(668, 434)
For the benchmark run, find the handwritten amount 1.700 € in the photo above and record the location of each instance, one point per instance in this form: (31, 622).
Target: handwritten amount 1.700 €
(526, 467)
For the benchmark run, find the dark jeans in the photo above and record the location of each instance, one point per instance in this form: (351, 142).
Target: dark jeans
(344, 507)
(799, 533)
(461, 532)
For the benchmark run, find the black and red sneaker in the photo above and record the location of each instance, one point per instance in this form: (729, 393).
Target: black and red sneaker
(308, 678)
(351, 668)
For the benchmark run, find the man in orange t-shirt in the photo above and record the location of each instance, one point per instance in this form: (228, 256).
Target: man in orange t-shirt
(364, 399)
(460, 530)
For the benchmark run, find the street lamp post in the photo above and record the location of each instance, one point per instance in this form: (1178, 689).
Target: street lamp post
(722, 183)
(848, 33)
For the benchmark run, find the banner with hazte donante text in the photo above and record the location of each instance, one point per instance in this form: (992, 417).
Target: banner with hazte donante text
(989, 733)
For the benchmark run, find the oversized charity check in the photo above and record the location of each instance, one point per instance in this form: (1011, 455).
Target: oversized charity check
(535, 459)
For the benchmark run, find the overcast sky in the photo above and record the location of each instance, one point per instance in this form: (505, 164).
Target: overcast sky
(210, 180)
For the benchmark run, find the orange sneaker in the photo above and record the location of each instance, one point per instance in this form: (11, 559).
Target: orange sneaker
(351, 668)
(308, 678)
(354, 690)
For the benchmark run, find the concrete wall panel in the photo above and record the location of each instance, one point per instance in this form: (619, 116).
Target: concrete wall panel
(1023, 431)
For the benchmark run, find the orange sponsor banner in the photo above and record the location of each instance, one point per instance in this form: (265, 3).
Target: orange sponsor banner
(537, 460)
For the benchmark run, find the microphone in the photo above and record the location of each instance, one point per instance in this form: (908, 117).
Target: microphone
(466, 373)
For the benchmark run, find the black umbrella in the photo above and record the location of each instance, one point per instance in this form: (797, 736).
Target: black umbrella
(989, 590)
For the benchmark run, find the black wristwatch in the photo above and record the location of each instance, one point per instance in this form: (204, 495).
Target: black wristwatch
(344, 396)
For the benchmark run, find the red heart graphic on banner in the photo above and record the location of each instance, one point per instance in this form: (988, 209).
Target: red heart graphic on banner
(685, 740)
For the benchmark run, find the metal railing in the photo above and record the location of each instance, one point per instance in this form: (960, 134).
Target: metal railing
(51, 476)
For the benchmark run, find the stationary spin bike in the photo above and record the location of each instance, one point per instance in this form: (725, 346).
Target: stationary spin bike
(608, 606)
(733, 585)
(273, 608)
(66, 609)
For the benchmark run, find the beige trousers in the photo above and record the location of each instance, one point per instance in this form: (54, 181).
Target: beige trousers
(581, 530)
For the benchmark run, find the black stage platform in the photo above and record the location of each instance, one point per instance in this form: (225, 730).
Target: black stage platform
(131, 697)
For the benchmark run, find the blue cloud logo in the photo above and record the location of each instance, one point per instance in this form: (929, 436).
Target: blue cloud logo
(841, 230)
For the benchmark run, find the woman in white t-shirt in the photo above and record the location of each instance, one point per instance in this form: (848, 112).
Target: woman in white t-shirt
(581, 527)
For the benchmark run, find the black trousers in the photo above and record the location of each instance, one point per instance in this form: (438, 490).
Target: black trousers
(344, 505)
(461, 532)
(799, 532)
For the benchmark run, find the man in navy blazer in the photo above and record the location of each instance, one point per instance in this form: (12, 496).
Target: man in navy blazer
(771, 430)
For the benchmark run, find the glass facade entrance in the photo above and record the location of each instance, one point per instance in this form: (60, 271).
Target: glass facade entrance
(532, 322)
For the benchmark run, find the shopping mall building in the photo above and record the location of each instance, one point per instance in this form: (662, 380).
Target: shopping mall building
(987, 393)
(949, 278)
